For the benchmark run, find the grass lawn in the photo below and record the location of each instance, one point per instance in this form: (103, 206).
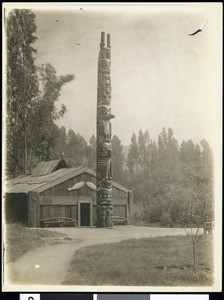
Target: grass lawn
(20, 239)
(162, 261)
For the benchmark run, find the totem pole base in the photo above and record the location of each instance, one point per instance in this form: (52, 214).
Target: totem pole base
(105, 219)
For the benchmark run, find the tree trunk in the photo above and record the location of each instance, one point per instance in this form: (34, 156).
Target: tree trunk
(194, 257)
(19, 162)
(31, 157)
(25, 150)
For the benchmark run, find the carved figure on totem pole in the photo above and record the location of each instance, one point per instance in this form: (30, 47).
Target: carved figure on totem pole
(104, 164)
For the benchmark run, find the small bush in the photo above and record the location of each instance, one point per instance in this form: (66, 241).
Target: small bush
(166, 219)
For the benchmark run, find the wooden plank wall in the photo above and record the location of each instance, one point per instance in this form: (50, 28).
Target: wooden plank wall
(120, 210)
(62, 200)
(94, 215)
(118, 193)
(51, 211)
(32, 209)
(62, 189)
(59, 200)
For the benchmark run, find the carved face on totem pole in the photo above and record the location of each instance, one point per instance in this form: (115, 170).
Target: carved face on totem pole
(104, 84)
(105, 149)
(103, 110)
(104, 129)
(107, 182)
(104, 168)
(105, 99)
(105, 53)
(104, 193)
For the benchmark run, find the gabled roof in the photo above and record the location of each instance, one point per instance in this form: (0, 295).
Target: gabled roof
(47, 167)
(25, 184)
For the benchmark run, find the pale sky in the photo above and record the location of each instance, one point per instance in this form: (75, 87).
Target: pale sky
(160, 76)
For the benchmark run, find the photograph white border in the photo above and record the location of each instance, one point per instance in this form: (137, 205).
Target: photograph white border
(217, 287)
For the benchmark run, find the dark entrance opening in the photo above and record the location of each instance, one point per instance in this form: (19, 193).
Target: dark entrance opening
(16, 207)
(85, 214)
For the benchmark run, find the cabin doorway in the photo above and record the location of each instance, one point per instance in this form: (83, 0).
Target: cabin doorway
(84, 213)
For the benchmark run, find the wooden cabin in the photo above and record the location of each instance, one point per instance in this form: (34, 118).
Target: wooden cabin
(54, 190)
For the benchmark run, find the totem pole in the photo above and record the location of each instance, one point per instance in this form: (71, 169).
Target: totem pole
(104, 166)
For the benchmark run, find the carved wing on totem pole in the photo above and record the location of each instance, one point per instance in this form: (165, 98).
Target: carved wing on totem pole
(104, 164)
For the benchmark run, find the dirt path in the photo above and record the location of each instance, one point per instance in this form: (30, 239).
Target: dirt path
(48, 265)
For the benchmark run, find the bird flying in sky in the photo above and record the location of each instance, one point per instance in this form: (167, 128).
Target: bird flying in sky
(200, 29)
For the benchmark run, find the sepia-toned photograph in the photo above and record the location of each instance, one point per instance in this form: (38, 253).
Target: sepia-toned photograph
(112, 148)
